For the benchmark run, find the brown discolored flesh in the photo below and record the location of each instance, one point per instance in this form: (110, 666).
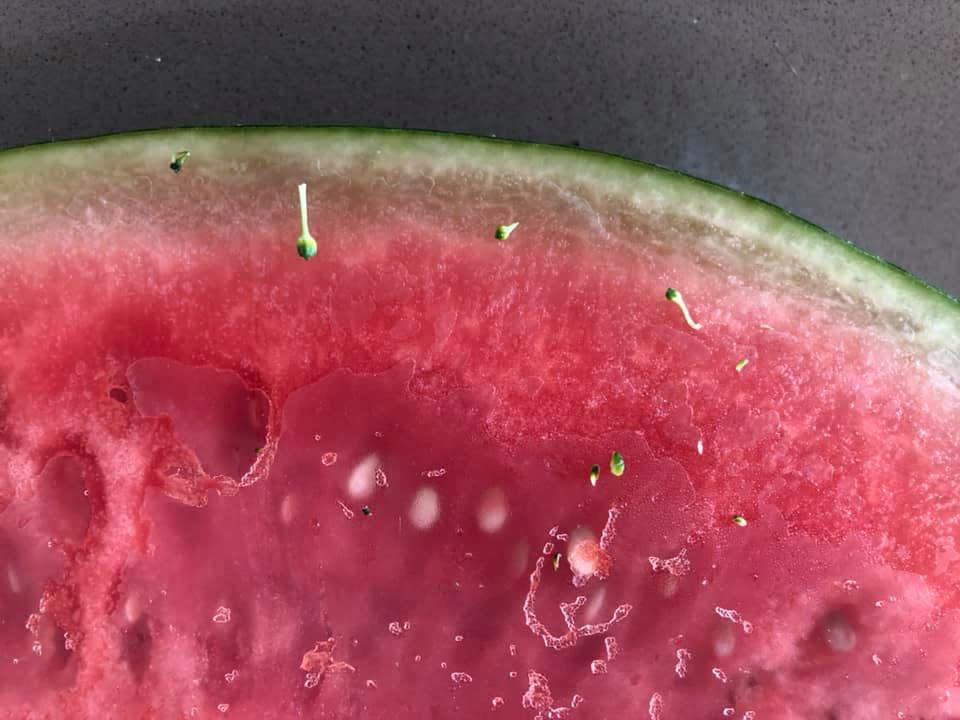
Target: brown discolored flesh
(194, 418)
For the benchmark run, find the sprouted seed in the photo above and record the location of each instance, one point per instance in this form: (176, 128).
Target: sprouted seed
(503, 231)
(674, 296)
(594, 475)
(178, 159)
(739, 520)
(306, 245)
(742, 364)
(617, 464)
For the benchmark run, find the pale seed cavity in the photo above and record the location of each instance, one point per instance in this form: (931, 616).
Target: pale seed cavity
(493, 510)
(362, 480)
(425, 508)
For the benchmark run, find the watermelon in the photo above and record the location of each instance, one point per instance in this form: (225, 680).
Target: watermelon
(527, 431)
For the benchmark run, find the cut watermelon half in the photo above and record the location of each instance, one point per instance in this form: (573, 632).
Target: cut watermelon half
(430, 473)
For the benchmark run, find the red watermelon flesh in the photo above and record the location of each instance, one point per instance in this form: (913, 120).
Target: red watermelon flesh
(237, 484)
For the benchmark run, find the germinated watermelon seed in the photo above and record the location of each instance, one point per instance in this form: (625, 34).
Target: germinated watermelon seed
(739, 520)
(178, 159)
(617, 464)
(742, 364)
(306, 245)
(674, 296)
(503, 231)
(594, 475)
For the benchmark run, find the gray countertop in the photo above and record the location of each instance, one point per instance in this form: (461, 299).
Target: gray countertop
(843, 112)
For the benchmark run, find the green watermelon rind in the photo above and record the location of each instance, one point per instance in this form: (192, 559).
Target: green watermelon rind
(835, 264)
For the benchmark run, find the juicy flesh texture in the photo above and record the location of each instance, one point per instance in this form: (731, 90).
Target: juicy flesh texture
(193, 419)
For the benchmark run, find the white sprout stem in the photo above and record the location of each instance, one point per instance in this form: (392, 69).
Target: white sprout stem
(303, 208)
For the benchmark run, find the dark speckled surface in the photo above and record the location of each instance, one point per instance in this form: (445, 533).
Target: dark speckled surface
(846, 113)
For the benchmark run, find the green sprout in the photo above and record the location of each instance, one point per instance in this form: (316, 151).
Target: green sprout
(739, 520)
(178, 159)
(594, 475)
(617, 465)
(366, 510)
(556, 561)
(503, 231)
(306, 245)
(674, 296)
(742, 364)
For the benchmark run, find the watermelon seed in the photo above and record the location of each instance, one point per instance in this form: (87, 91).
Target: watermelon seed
(178, 159)
(594, 475)
(617, 464)
(700, 446)
(739, 520)
(366, 510)
(306, 245)
(674, 296)
(503, 231)
(556, 561)
(742, 364)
